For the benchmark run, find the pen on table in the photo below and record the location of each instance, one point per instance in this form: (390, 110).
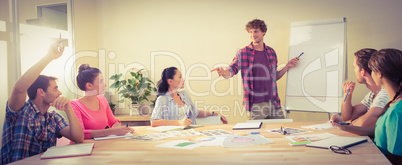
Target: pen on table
(346, 95)
(300, 55)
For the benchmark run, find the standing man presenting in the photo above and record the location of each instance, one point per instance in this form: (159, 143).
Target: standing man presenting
(29, 128)
(258, 65)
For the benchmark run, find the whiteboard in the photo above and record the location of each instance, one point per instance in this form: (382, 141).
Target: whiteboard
(315, 84)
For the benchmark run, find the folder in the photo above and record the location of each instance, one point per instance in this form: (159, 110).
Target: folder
(68, 151)
(339, 141)
(251, 125)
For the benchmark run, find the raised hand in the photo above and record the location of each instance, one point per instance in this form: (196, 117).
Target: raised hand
(56, 49)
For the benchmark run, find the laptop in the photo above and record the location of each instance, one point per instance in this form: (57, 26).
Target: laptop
(339, 141)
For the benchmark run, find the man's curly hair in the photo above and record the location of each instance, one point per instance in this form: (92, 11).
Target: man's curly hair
(256, 24)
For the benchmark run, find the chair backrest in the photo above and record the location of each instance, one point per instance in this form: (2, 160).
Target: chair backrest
(272, 120)
(209, 120)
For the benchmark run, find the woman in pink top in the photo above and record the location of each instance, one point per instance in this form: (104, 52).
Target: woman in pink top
(93, 110)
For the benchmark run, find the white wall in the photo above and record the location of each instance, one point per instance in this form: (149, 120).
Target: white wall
(204, 34)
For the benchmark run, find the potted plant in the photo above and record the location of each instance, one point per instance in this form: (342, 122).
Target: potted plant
(112, 107)
(136, 88)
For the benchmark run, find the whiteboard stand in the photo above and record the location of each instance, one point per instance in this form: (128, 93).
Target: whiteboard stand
(287, 114)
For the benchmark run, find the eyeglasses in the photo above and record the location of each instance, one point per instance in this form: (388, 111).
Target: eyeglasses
(340, 150)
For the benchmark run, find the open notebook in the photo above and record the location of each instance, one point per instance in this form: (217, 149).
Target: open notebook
(68, 151)
(339, 141)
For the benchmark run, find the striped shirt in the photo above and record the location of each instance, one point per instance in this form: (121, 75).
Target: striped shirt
(29, 132)
(244, 61)
(167, 109)
(370, 100)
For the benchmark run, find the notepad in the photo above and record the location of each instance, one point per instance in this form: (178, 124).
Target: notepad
(68, 151)
(252, 125)
(339, 141)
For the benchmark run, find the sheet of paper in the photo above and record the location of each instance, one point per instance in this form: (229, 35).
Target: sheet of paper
(165, 128)
(310, 137)
(209, 140)
(114, 137)
(215, 132)
(326, 125)
(289, 131)
(189, 132)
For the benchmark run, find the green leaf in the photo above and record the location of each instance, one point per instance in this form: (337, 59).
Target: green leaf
(115, 84)
(116, 77)
(131, 81)
(133, 74)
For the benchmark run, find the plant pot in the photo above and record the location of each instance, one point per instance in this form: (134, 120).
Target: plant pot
(145, 110)
(133, 108)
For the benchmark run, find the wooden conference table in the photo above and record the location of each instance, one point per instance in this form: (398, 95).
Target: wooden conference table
(124, 151)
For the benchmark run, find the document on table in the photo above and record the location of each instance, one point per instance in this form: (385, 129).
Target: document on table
(165, 128)
(114, 137)
(322, 126)
(68, 151)
(305, 139)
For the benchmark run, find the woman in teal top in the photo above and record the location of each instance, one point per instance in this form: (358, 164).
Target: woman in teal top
(173, 105)
(386, 66)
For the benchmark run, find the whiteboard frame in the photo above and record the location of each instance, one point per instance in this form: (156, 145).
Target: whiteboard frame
(298, 103)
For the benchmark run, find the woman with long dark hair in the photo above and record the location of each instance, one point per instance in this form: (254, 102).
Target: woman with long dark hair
(173, 105)
(386, 66)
